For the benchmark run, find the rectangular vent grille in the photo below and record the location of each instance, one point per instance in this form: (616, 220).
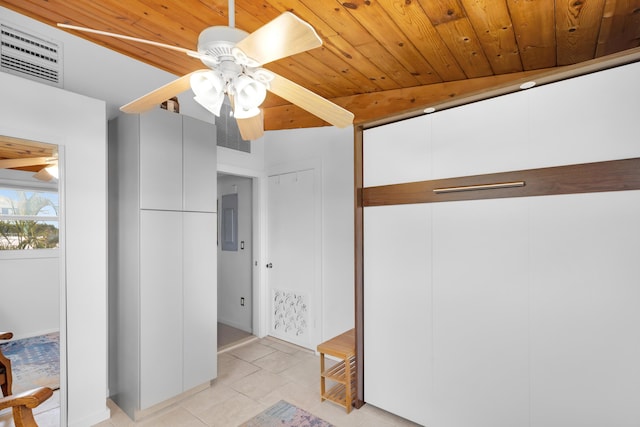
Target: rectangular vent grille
(227, 130)
(30, 56)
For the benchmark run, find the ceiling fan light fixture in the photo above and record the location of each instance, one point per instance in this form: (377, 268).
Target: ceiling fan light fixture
(211, 103)
(248, 93)
(208, 88)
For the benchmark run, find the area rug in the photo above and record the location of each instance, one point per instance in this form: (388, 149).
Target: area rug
(35, 361)
(284, 414)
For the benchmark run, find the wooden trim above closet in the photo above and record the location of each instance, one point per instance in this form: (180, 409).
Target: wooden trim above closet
(613, 175)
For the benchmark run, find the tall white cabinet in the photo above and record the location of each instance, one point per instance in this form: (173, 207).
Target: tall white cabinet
(163, 286)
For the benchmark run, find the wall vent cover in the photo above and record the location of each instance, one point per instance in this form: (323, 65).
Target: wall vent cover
(30, 56)
(227, 130)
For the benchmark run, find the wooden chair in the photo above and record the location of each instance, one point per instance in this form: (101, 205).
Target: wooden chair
(21, 404)
(5, 367)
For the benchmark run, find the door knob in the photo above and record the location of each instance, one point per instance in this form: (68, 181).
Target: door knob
(270, 265)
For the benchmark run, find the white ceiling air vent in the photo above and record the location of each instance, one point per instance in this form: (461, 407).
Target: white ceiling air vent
(30, 56)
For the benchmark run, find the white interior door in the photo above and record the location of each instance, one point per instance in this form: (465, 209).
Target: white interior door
(293, 257)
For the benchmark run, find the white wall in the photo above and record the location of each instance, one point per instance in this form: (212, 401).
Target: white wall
(333, 148)
(33, 305)
(521, 311)
(235, 267)
(78, 125)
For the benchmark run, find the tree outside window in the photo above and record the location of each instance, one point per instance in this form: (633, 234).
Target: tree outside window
(28, 219)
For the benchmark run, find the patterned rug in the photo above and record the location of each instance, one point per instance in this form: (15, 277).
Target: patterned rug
(284, 414)
(35, 361)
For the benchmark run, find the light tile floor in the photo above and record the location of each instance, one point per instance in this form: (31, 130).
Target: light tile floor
(251, 378)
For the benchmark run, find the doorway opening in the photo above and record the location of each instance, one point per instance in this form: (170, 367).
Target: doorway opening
(235, 260)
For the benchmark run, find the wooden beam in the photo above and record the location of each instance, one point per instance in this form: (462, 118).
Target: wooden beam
(613, 175)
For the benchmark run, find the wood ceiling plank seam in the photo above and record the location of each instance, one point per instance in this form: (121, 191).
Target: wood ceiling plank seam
(36, 12)
(624, 31)
(460, 36)
(537, 48)
(298, 73)
(357, 36)
(608, 13)
(414, 22)
(217, 7)
(348, 78)
(356, 67)
(340, 20)
(360, 63)
(452, 24)
(443, 11)
(577, 27)
(186, 16)
(381, 27)
(388, 63)
(494, 30)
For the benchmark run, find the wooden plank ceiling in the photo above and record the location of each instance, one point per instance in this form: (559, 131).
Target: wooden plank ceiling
(379, 58)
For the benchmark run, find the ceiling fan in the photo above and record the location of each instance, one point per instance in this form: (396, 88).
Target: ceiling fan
(48, 166)
(234, 59)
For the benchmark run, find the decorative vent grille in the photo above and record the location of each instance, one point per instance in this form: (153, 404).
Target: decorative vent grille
(227, 130)
(30, 56)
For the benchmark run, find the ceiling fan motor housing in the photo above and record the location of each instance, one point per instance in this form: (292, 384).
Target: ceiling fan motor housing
(217, 43)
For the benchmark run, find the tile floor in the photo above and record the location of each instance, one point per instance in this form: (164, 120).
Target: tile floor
(251, 378)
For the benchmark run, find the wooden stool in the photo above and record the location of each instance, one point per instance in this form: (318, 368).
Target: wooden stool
(343, 373)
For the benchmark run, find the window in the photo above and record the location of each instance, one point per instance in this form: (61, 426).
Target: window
(28, 219)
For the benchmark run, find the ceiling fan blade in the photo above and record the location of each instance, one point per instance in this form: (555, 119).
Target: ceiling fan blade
(313, 103)
(252, 127)
(43, 175)
(24, 162)
(135, 39)
(284, 36)
(158, 96)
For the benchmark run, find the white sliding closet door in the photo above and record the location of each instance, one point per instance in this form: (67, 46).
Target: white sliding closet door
(397, 310)
(585, 310)
(480, 291)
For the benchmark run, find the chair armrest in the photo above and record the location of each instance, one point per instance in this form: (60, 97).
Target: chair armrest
(30, 399)
(6, 335)
(23, 403)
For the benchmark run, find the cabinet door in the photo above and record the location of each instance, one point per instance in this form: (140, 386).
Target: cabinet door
(160, 306)
(199, 165)
(161, 160)
(480, 313)
(200, 299)
(397, 310)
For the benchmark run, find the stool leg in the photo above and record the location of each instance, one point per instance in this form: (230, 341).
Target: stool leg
(322, 384)
(347, 385)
